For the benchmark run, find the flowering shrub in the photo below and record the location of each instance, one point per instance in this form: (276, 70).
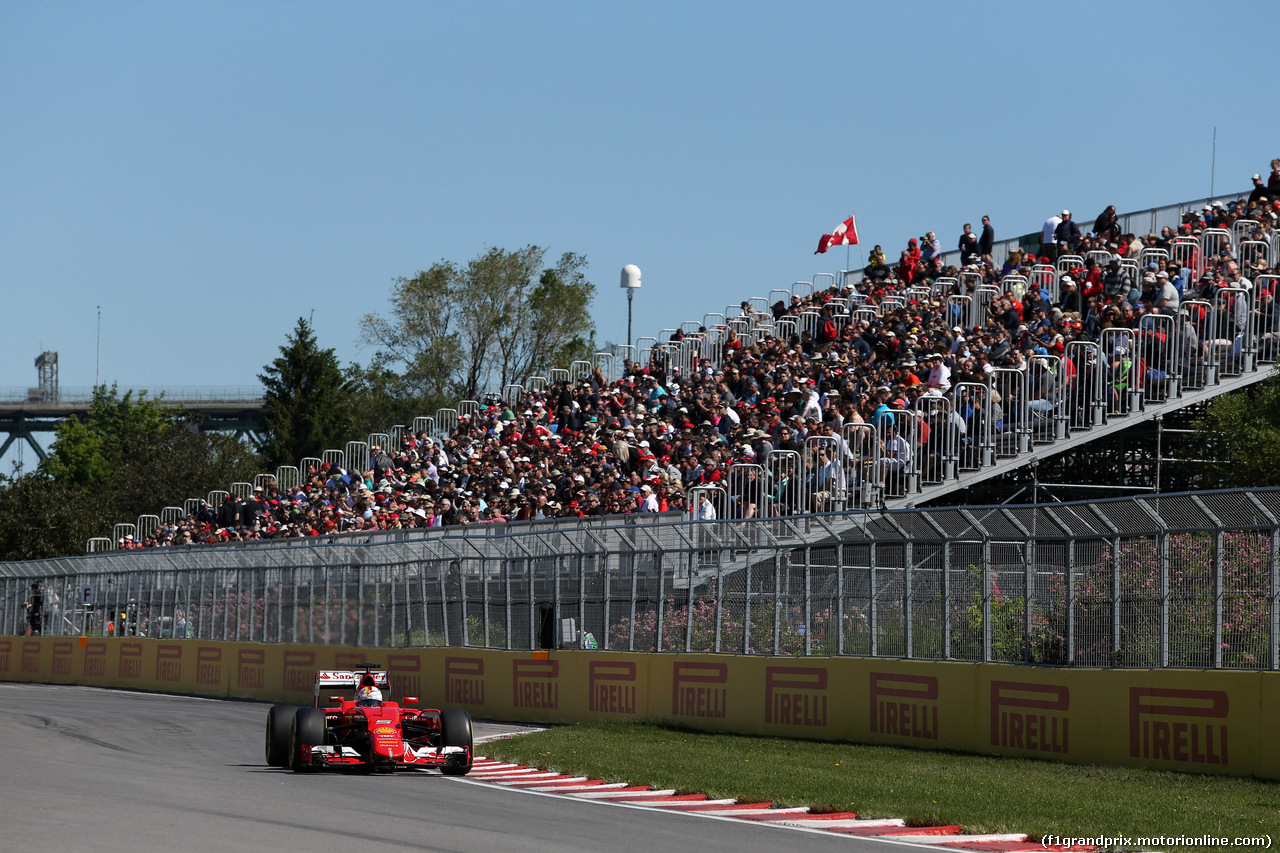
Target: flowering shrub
(1187, 600)
(1191, 584)
(1245, 607)
(675, 624)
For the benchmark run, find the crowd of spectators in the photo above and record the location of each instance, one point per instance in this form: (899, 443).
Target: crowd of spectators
(639, 444)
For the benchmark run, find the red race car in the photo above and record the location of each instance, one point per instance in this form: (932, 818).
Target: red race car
(367, 732)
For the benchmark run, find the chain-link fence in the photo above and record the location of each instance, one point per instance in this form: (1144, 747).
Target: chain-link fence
(1184, 580)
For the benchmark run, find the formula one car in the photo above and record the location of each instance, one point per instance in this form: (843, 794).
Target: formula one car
(365, 732)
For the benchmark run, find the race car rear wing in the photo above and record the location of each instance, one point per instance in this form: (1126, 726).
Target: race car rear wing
(349, 679)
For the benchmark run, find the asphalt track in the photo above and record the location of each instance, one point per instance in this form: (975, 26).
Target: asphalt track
(105, 770)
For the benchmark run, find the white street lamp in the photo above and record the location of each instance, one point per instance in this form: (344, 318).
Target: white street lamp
(630, 283)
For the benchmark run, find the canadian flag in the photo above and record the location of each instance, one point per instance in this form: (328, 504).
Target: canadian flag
(846, 234)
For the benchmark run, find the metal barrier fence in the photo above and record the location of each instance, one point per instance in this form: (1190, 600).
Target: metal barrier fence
(1185, 580)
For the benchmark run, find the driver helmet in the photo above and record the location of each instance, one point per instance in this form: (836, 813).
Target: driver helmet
(368, 696)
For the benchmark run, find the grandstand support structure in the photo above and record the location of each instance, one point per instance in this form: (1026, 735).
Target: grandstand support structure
(932, 494)
(1016, 419)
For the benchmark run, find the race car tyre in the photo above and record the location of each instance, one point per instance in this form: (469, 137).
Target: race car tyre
(279, 730)
(455, 730)
(309, 728)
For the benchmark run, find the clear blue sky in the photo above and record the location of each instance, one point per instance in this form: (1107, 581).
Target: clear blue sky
(209, 172)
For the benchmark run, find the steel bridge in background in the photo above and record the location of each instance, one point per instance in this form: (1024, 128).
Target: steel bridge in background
(27, 412)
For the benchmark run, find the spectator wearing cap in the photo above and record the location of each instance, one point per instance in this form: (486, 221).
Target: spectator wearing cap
(930, 247)
(939, 374)
(1259, 191)
(1115, 281)
(1150, 289)
(1070, 301)
(761, 444)
(968, 246)
(380, 462)
(1067, 234)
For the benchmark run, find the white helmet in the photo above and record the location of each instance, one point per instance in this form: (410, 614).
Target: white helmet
(370, 695)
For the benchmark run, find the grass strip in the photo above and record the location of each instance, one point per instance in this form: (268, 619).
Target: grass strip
(926, 787)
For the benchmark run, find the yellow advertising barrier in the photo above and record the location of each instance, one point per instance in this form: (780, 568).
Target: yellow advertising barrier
(1213, 721)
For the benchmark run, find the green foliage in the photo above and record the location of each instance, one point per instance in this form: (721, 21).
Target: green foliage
(77, 457)
(126, 458)
(1243, 429)
(41, 517)
(457, 331)
(1189, 588)
(376, 397)
(305, 400)
(418, 342)
(86, 453)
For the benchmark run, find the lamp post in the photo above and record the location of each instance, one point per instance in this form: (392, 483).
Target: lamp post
(630, 283)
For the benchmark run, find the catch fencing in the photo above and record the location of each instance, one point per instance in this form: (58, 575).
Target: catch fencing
(1186, 580)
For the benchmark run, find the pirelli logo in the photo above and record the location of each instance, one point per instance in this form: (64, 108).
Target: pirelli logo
(1019, 719)
(169, 662)
(904, 705)
(129, 664)
(612, 687)
(209, 666)
(1170, 724)
(299, 672)
(535, 684)
(795, 695)
(62, 657)
(699, 689)
(464, 680)
(406, 675)
(95, 658)
(31, 657)
(251, 669)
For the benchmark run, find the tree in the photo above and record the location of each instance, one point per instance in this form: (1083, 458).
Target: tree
(40, 517)
(417, 342)
(126, 458)
(304, 394)
(377, 397)
(455, 332)
(86, 453)
(553, 324)
(1242, 429)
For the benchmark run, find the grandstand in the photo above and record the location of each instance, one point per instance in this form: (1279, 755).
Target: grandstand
(886, 387)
